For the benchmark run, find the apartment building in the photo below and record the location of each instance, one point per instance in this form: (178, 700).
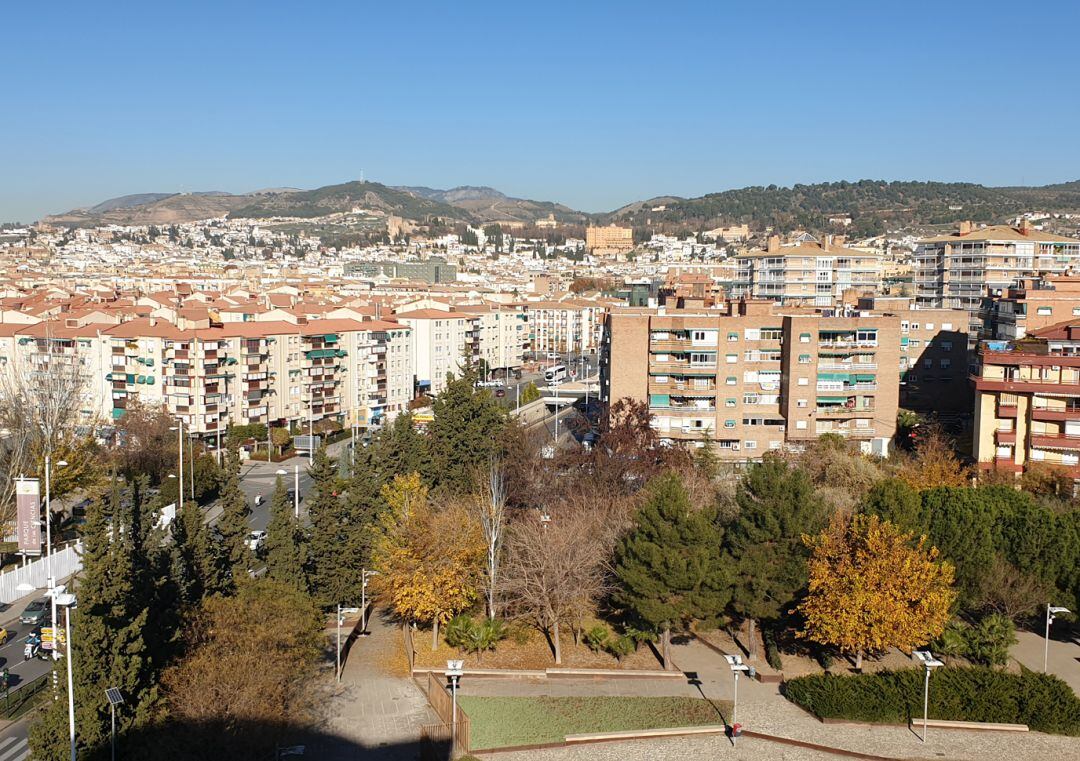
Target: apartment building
(571, 326)
(955, 270)
(750, 379)
(610, 240)
(277, 373)
(1030, 304)
(443, 342)
(1027, 402)
(502, 336)
(807, 273)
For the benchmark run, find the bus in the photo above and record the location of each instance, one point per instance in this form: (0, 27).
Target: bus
(555, 374)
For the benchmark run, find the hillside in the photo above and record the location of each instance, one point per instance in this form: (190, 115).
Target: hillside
(163, 209)
(489, 205)
(345, 197)
(874, 205)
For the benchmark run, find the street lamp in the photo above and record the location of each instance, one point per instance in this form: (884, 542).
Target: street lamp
(929, 662)
(1051, 611)
(179, 428)
(454, 670)
(338, 668)
(364, 574)
(48, 547)
(67, 601)
(296, 487)
(737, 667)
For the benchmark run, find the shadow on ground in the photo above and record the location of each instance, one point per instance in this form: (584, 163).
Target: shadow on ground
(254, 741)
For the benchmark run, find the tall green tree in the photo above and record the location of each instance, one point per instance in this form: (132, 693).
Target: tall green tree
(334, 575)
(777, 506)
(112, 638)
(286, 545)
(465, 435)
(669, 570)
(234, 525)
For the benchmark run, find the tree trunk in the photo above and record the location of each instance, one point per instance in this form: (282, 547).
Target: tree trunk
(751, 639)
(555, 641)
(577, 634)
(858, 661)
(435, 634)
(666, 647)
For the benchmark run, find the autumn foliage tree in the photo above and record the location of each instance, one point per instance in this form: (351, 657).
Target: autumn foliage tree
(934, 463)
(430, 559)
(873, 587)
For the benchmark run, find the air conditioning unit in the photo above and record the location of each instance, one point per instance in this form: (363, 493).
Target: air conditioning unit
(735, 446)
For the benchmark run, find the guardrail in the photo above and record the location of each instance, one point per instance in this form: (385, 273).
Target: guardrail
(15, 700)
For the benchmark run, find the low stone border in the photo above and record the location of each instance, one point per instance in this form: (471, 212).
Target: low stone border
(560, 673)
(644, 734)
(980, 726)
(777, 678)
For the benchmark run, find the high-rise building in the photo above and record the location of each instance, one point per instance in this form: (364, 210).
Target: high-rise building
(809, 273)
(955, 270)
(606, 241)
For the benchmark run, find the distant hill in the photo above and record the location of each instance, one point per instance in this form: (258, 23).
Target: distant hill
(126, 202)
(156, 209)
(874, 205)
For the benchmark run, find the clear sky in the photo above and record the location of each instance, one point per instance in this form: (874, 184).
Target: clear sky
(588, 103)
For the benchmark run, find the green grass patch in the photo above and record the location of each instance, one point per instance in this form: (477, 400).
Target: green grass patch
(503, 722)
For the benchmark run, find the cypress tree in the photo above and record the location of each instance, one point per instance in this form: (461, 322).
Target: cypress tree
(669, 569)
(333, 573)
(286, 549)
(234, 527)
(465, 434)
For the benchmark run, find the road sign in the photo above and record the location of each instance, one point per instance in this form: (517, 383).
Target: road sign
(46, 634)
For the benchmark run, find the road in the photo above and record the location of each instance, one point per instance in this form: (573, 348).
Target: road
(13, 742)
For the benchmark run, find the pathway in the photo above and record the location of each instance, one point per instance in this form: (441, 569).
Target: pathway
(379, 712)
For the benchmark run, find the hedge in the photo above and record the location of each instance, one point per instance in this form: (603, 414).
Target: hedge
(1042, 701)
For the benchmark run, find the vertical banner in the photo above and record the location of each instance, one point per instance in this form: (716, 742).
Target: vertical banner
(28, 515)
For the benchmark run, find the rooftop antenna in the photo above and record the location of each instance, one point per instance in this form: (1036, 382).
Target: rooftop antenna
(361, 175)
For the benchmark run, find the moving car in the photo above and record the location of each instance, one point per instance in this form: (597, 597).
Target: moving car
(256, 539)
(36, 613)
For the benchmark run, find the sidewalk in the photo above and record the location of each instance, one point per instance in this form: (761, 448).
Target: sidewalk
(378, 713)
(1063, 657)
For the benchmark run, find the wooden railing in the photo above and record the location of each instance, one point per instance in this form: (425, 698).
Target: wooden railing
(442, 703)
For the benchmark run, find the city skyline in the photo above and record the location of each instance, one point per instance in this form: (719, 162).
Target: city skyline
(603, 109)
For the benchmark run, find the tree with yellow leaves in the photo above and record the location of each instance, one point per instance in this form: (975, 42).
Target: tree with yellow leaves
(934, 463)
(873, 587)
(430, 559)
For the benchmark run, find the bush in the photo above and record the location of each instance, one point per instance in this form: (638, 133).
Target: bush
(986, 643)
(596, 637)
(1042, 701)
(456, 631)
(621, 647)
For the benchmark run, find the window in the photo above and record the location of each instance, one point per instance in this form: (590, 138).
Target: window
(929, 326)
(804, 359)
(660, 379)
(862, 423)
(731, 380)
(946, 326)
(928, 362)
(946, 345)
(732, 358)
(730, 402)
(914, 343)
(804, 338)
(867, 336)
(800, 425)
(749, 445)
(729, 423)
(772, 334)
(752, 334)
(751, 399)
(804, 381)
(700, 359)
(800, 402)
(753, 421)
(733, 336)
(945, 364)
(1045, 310)
(775, 444)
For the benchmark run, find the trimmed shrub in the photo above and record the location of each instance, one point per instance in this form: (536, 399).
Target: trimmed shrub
(596, 637)
(772, 650)
(1042, 701)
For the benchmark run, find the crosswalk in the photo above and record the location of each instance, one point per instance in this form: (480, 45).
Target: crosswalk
(14, 749)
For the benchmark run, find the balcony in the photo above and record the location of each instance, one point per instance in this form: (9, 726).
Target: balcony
(1005, 436)
(682, 368)
(841, 411)
(1056, 441)
(1006, 411)
(671, 344)
(1026, 386)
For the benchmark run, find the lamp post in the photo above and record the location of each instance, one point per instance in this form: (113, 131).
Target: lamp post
(296, 487)
(338, 669)
(48, 549)
(112, 694)
(929, 663)
(67, 601)
(454, 670)
(737, 667)
(179, 428)
(1051, 610)
(364, 574)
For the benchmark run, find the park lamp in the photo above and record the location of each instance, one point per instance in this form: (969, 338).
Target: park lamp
(930, 663)
(455, 668)
(737, 666)
(1052, 610)
(926, 658)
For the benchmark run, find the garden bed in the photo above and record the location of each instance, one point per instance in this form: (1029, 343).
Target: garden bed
(526, 648)
(508, 722)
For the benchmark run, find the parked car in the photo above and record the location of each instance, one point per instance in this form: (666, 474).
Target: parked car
(36, 613)
(500, 392)
(256, 540)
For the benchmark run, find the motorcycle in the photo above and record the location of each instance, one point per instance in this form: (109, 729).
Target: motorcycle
(31, 648)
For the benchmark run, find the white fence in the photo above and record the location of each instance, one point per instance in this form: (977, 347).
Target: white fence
(65, 562)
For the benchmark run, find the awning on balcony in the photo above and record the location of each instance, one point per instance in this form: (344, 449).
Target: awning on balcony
(832, 399)
(320, 353)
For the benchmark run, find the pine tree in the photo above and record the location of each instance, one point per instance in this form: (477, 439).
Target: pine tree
(669, 570)
(233, 527)
(465, 434)
(196, 567)
(777, 506)
(334, 575)
(286, 549)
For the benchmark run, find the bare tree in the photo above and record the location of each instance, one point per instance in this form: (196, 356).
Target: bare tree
(554, 570)
(39, 407)
(490, 510)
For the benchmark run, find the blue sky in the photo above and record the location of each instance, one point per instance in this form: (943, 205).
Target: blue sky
(591, 104)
